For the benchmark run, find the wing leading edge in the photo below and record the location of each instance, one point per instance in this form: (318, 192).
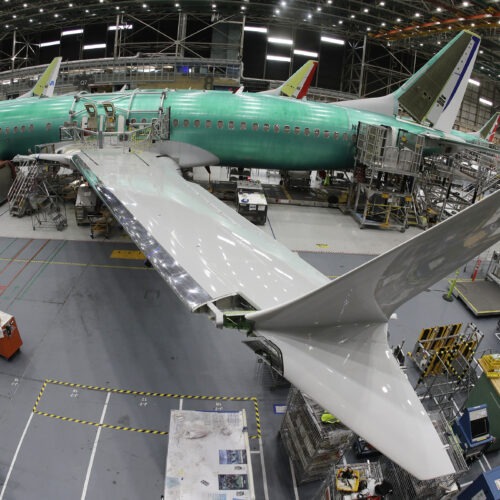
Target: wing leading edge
(332, 335)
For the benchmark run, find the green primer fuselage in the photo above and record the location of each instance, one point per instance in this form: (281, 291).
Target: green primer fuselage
(246, 130)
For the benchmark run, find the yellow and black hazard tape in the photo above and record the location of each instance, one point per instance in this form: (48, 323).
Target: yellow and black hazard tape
(97, 424)
(40, 394)
(253, 399)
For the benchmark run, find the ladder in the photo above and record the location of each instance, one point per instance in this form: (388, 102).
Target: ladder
(22, 187)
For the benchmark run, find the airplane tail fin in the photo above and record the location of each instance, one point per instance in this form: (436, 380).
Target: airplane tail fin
(333, 341)
(489, 129)
(298, 84)
(435, 92)
(46, 83)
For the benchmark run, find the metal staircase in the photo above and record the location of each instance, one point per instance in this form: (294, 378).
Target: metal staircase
(23, 186)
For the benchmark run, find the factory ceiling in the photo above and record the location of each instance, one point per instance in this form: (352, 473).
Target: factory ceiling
(407, 25)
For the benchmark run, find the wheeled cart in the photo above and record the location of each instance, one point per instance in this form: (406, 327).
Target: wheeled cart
(10, 340)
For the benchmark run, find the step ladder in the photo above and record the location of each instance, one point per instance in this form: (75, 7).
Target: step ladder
(22, 187)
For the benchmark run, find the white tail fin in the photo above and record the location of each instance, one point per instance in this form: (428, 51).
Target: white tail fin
(435, 92)
(46, 83)
(334, 340)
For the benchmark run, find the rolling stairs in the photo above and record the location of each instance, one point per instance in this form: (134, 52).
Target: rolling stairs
(23, 186)
(29, 195)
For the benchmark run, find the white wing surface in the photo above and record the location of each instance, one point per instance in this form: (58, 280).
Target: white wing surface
(332, 335)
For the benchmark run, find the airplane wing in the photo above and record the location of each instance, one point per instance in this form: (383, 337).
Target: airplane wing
(332, 335)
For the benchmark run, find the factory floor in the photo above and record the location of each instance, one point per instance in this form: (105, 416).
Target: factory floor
(102, 333)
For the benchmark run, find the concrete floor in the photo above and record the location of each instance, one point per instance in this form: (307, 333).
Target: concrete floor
(100, 334)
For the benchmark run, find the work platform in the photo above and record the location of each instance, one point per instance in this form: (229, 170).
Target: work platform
(482, 297)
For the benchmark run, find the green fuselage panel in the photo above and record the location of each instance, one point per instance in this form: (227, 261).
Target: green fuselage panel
(246, 130)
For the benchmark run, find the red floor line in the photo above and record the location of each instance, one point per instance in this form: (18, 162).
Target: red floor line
(17, 254)
(5, 287)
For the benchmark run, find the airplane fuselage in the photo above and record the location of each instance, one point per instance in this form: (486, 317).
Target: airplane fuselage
(246, 130)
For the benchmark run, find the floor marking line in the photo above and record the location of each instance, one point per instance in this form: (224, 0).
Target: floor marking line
(145, 393)
(110, 390)
(94, 448)
(76, 264)
(7, 477)
(181, 403)
(294, 480)
(40, 394)
(264, 472)
(23, 267)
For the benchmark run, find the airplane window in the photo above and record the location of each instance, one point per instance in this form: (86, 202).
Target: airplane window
(197, 123)
(296, 130)
(23, 129)
(32, 127)
(186, 123)
(326, 134)
(220, 124)
(134, 121)
(286, 128)
(175, 122)
(7, 130)
(143, 120)
(354, 137)
(0, 130)
(266, 127)
(276, 129)
(345, 136)
(15, 130)
(255, 126)
(230, 124)
(316, 132)
(243, 125)
(48, 126)
(208, 124)
(307, 131)
(336, 135)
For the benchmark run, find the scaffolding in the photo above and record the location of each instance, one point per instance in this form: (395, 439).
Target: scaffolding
(445, 358)
(449, 184)
(407, 487)
(312, 445)
(386, 171)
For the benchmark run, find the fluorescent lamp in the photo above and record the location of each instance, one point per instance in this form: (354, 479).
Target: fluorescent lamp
(72, 32)
(280, 41)
(474, 82)
(258, 29)
(305, 53)
(485, 101)
(278, 58)
(94, 46)
(49, 44)
(336, 41)
(120, 27)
